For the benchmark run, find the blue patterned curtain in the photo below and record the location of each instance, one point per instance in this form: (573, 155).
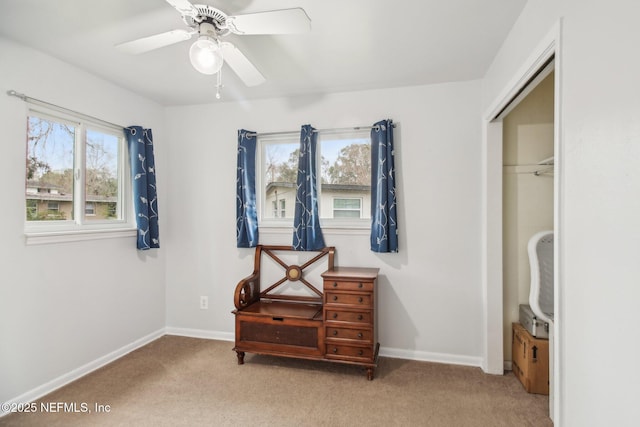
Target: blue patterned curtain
(246, 209)
(143, 175)
(307, 235)
(384, 222)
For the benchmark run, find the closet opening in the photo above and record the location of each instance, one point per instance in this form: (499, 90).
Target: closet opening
(521, 169)
(527, 196)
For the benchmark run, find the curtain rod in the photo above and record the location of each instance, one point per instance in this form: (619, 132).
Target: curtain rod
(60, 109)
(296, 132)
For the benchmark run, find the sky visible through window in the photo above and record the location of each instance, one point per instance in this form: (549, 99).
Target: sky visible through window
(330, 148)
(53, 143)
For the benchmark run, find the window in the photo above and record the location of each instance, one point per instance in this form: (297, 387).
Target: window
(53, 212)
(75, 175)
(280, 212)
(347, 208)
(90, 209)
(279, 171)
(344, 187)
(346, 177)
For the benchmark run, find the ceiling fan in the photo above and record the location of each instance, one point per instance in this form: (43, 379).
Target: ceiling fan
(208, 53)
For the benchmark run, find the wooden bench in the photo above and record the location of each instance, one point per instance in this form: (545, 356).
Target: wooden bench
(306, 324)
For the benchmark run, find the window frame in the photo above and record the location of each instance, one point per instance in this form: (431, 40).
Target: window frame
(341, 225)
(79, 228)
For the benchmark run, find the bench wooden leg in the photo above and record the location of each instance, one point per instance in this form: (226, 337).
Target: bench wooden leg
(370, 374)
(240, 355)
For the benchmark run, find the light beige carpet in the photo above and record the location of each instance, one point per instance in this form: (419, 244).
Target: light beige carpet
(178, 381)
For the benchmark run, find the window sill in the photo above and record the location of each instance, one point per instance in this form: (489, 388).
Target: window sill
(336, 230)
(63, 236)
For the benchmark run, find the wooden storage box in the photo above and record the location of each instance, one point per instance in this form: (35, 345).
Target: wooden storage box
(530, 360)
(281, 328)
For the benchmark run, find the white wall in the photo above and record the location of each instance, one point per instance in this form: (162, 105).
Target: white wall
(599, 238)
(66, 305)
(430, 304)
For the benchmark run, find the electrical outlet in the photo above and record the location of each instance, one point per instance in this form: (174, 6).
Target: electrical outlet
(204, 303)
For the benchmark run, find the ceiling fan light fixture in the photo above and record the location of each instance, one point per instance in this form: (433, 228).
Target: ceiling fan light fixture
(206, 55)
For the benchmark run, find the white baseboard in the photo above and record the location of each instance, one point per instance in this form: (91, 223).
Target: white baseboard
(77, 373)
(201, 333)
(425, 356)
(508, 365)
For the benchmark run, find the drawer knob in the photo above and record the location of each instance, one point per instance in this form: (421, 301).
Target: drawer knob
(335, 297)
(359, 334)
(359, 316)
(335, 315)
(360, 285)
(360, 299)
(360, 352)
(335, 284)
(335, 332)
(335, 350)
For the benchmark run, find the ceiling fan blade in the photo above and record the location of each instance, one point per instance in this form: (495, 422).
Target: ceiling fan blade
(184, 7)
(240, 65)
(284, 21)
(146, 44)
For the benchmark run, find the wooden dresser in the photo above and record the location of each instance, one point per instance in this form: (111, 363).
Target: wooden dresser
(349, 316)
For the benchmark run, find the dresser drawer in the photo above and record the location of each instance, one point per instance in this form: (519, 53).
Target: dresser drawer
(347, 316)
(348, 286)
(364, 335)
(346, 351)
(364, 299)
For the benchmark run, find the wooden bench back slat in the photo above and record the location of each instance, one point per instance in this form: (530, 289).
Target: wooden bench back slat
(272, 287)
(310, 286)
(270, 251)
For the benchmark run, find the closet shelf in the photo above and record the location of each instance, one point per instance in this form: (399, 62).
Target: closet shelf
(546, 162)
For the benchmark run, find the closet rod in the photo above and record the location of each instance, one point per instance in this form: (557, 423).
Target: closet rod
(61, 109)
(543, 171)
(297, 132)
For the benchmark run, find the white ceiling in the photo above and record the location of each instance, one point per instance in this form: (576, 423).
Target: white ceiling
(353, 44)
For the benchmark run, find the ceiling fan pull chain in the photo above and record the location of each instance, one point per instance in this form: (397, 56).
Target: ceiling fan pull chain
(219, 84)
